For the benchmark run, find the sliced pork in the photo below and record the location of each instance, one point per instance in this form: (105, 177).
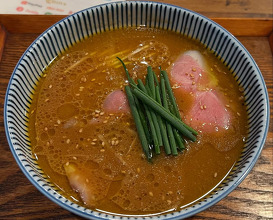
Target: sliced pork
(116, 102)
(208, 112)
(91, 190)
(187, 70)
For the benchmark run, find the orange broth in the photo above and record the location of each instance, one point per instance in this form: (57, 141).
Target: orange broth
(63, 125)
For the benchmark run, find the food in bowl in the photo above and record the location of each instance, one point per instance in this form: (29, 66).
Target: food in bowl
(84, 137)
(55, 42)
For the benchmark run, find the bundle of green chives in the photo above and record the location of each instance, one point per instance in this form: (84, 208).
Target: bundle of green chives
(158, 123)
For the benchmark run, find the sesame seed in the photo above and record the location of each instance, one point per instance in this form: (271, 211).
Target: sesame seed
(46, 128)
(78, 94)
(81, 130)
(215, 174)
(204, 106)
(58, 122)
(102, 150)
(68, 141)
(50, 86)
(201, 107)
(83, 79)
(169, 202)
(75, 158)
(81, 88)
(46, 100)
(97, 111)
(238, 114)
(151, 194)
(175, 86)
(93, 143)
(123, 171)
(227, 106)
(67, 163)
(102, 143)
(193, 69)
(138, 170)
(95, 139)
(193, 83)
(87, 180)
(104, 122)
(102, 113)
(93, 79)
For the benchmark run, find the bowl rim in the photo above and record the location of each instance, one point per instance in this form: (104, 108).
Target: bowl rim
(93, 214)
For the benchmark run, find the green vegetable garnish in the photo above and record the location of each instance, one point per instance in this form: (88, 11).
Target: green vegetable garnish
(156, 114)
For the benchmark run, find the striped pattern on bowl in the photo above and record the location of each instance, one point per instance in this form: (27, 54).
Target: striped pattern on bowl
(95, 20)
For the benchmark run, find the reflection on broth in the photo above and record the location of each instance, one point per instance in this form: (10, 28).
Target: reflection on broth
(84, 136)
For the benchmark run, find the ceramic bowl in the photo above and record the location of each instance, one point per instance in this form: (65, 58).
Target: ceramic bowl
(67, 32)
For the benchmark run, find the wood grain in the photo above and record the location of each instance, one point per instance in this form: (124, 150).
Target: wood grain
(270, 38)
(2, 39)
(257, 27)
(28, 23)
(238, 27)
(253, 199)
(227, 8)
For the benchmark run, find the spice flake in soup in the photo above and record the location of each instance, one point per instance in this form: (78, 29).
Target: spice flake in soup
(85, 138)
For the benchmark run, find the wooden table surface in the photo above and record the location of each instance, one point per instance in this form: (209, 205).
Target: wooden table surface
(250, 21)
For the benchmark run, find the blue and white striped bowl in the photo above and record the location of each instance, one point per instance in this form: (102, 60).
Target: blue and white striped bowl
(73, 29)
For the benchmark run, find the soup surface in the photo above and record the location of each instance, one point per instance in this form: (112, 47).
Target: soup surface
(90, 149)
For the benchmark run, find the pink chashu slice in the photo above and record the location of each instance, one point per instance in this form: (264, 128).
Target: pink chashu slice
(208, 112)
(91, 190)
(187, 71)
(116, 102)
(190, 76)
